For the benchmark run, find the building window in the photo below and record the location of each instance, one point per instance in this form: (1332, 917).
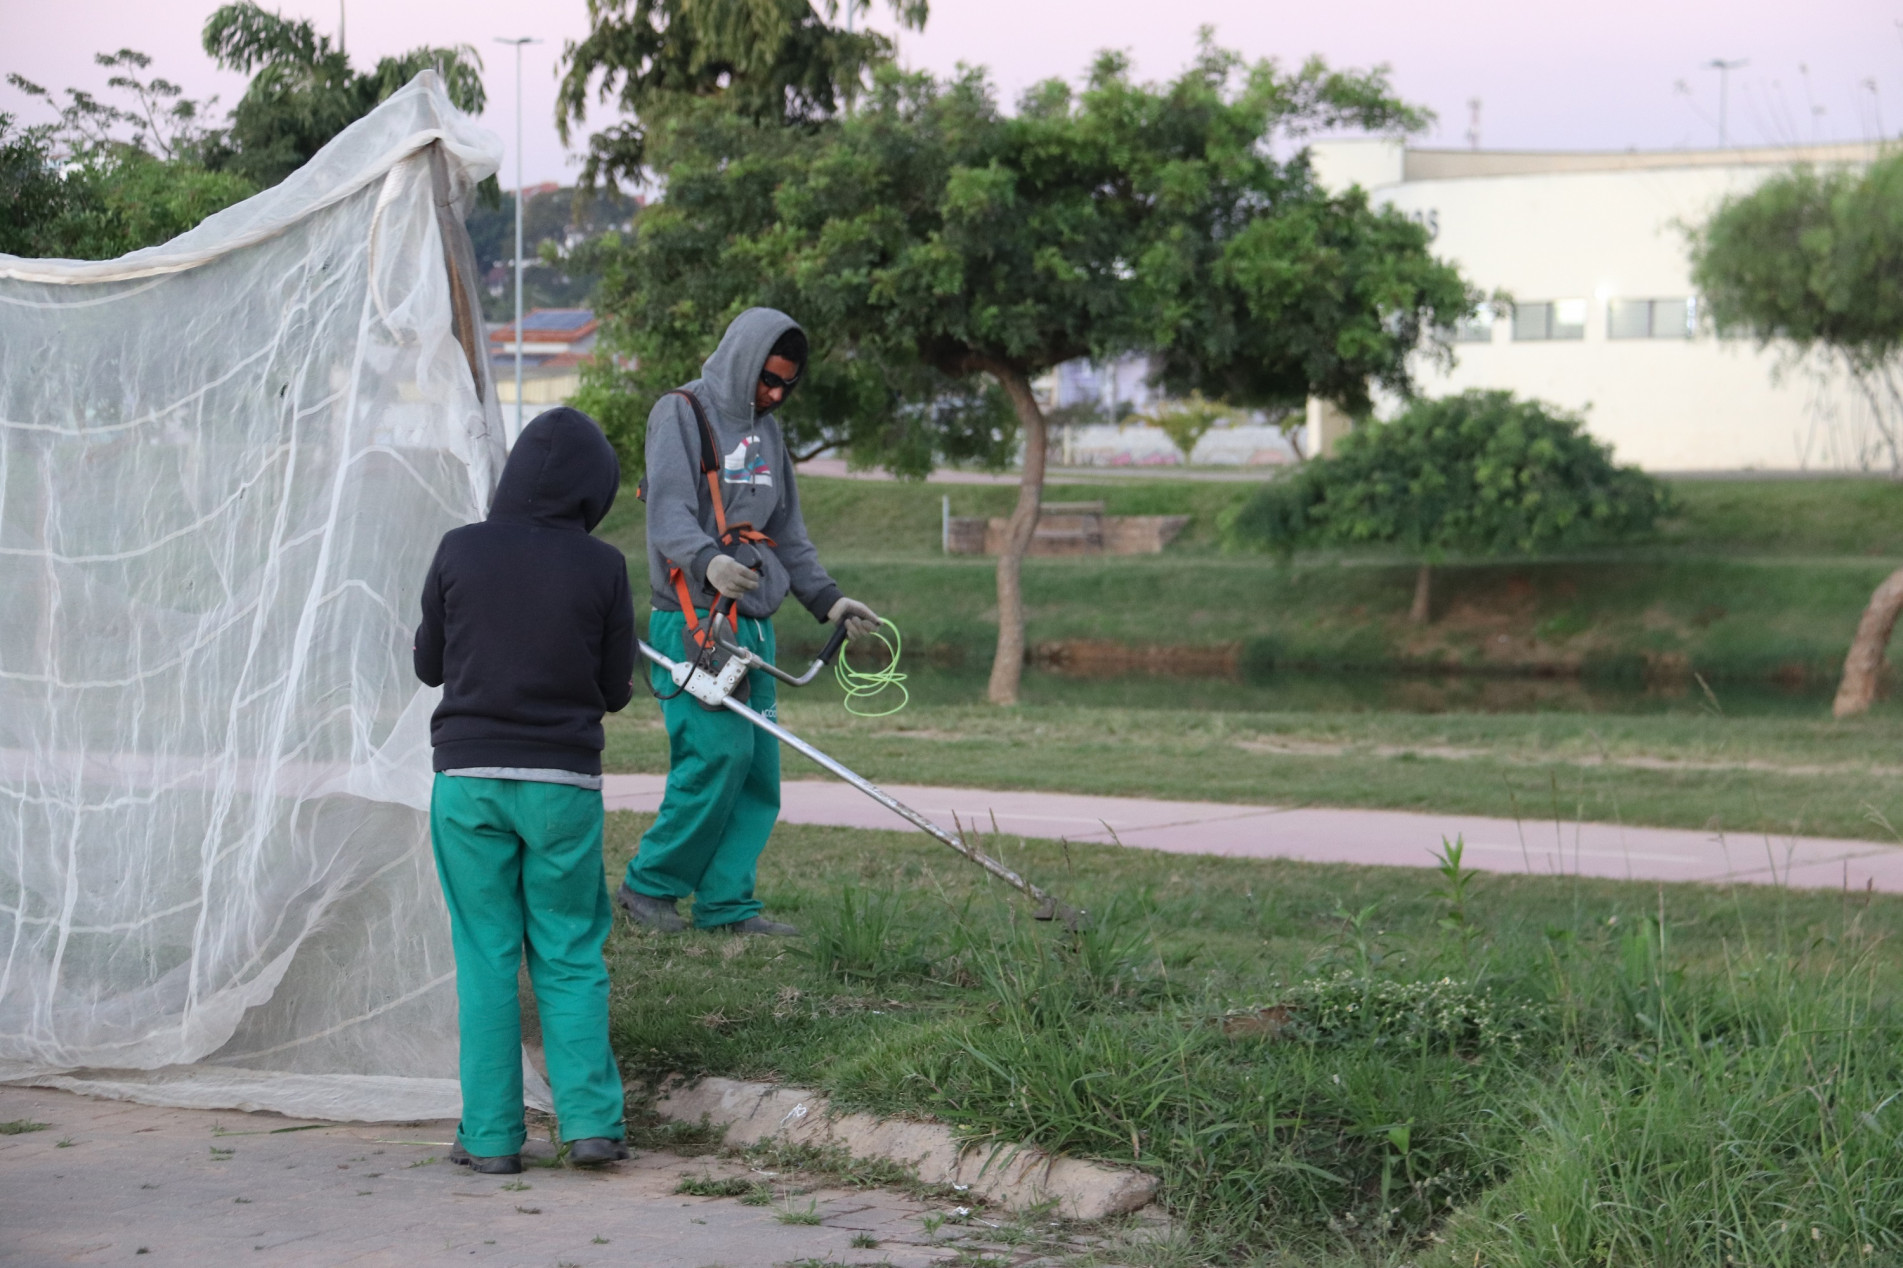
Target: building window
(1651, 318)
(1549, 319)
(1477, 328)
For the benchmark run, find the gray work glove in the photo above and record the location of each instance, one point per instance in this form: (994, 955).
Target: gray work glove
(859, 618)
(731, 577)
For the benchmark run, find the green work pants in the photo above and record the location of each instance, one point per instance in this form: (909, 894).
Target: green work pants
(521, 868)
(723, 790)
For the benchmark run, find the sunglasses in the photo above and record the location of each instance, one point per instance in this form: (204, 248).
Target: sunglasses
(772, 380)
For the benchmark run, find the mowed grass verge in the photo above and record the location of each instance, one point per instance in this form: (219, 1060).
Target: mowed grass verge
(1335, 1065)
(1782, 775)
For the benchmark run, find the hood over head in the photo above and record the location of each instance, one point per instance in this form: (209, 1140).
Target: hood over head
(734, 370)
(562, 473)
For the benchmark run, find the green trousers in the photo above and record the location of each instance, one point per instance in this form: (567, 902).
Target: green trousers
(723, 790)
(521, 868)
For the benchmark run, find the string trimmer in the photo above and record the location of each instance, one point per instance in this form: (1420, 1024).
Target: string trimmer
(714, 676)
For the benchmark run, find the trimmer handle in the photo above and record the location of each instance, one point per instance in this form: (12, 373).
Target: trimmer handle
(833, 644)
(748, 557)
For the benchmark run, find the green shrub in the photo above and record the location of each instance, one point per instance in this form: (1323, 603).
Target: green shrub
(1476, 474)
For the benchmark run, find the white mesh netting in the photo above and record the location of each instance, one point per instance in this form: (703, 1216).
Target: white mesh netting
(224, 465)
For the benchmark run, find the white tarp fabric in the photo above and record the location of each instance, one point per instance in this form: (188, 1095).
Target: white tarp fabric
(224, 465)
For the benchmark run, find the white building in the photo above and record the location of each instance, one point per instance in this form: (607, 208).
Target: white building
(1593, 249)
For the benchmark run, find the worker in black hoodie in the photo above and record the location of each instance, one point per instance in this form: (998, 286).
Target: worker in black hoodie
(529, 629)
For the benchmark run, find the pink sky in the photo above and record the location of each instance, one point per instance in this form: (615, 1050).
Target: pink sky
(1549, 76)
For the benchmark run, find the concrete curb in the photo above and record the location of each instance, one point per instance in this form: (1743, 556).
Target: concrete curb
(1016, 1177)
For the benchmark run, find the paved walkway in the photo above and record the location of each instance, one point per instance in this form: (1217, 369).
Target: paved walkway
(1390, 838)
(837, 469)
(106, 1181)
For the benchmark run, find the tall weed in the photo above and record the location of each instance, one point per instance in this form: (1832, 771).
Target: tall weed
(868, 937)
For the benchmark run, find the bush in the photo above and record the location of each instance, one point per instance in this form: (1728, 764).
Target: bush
(1480, 473)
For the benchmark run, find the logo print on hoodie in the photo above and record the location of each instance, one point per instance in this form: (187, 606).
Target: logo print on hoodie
(747, 464)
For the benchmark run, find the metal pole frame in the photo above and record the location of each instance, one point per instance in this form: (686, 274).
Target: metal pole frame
(518, 43)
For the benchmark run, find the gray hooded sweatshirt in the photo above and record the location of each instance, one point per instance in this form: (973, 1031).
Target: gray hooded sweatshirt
(756, 477)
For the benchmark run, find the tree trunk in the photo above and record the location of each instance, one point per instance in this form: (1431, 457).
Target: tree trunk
(1423, 610)
(1863, 667)
(1007, 668)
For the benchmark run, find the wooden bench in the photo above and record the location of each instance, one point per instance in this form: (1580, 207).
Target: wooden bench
(1070, 528)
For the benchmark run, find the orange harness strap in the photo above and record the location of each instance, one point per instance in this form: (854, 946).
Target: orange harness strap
(727, 536)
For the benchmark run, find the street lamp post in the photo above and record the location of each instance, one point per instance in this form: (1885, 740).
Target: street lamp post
(1724, 69)
(518, 43)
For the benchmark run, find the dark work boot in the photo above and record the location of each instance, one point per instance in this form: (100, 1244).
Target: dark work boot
(594, 1151)
(760, 925)
(500, 1165)
(652, 913)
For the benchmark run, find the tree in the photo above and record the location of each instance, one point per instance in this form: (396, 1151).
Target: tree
(34, 197)
(557, 226)
(1188, 419)
(668, 290)
(771, 61)
(303, 91)
(107, 179)
(1812, 262)
(1474, 474)
(932, 241)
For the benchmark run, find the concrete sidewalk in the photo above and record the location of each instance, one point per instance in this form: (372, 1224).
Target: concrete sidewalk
(1390, 838)
(115, 1182)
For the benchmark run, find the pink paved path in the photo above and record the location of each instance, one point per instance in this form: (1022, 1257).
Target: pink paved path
(1392, 838)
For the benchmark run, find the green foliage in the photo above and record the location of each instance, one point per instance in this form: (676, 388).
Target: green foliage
(771, 61)
(1812, 260)
(303, 91)
(1188, 420)
(160, 119)
(134, 200)
(708, 1186)
(1475, 474)
(930, 242)
(705, 254)
(34, 197)
(108, 179)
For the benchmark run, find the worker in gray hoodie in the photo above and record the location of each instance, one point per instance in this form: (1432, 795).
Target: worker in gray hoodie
(720, 484)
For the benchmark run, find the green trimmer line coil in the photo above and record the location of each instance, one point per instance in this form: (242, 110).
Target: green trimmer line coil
(862, 685)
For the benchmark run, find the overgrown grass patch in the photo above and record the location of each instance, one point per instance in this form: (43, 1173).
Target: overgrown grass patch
(1332, 1064)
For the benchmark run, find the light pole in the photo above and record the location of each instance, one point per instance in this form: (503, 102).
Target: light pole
(1724, 69)
(519, 42)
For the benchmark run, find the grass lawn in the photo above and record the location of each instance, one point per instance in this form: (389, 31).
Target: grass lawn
(1331, 1065)
(1752, 583)
(1750, 580)
(1805, 775)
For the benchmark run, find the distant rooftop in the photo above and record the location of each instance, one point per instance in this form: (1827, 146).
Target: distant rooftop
(558, 323)
(1376, 162)
(1433, 165)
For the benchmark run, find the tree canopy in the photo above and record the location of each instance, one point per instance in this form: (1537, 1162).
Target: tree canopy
(939, 249)
(304, 91)
(109, 178)
(1813, 261)
(770, 61)
(1475, 474)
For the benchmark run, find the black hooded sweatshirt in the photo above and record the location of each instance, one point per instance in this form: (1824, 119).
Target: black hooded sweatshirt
(528, 625)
